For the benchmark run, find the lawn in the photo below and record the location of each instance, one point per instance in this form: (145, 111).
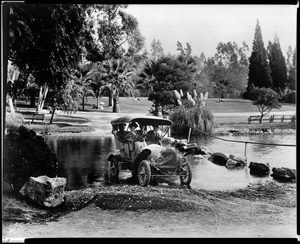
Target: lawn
(130, 105)
(230, 113)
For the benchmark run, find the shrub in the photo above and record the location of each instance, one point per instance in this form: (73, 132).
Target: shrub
(26, 154)
(200, 118)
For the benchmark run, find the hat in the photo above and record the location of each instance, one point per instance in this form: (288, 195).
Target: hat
(133, 124)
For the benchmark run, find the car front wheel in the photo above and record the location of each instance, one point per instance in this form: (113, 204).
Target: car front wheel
(186, 170)
(144, 173)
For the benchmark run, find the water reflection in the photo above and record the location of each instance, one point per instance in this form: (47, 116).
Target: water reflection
(82, 160)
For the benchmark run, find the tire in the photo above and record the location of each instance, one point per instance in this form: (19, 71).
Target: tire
(186, 180)
(144, 173)
(112, 174)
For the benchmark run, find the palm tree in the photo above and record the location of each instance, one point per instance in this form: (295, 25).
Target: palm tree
(98, 82)
(83, 76)
(118, 79)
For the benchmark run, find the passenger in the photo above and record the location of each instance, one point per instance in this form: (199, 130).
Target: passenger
(154, 136)
(134, 137)
(121, 134)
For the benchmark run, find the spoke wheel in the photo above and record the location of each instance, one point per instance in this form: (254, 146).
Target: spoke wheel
(187, 171)
(144, 173)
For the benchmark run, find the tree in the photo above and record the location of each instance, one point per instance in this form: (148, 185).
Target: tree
(98, 81)
(291, 68)
(265, 99)
(277, 66)
(156, 49)
(118, 72)
(66, 98)
(164, 75)
(83, 76)
(184, 51)
(115, 32)
(231, 69)
(61, 26)
(259, 70)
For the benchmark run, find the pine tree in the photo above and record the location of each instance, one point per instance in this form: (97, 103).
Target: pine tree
(277, 65)
(259, 70)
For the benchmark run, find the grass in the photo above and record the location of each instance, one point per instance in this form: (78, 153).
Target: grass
(75, 122)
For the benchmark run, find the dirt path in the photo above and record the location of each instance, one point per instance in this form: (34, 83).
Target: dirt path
(264, 210)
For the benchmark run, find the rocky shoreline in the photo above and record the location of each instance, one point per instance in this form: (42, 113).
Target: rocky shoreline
(234, 131)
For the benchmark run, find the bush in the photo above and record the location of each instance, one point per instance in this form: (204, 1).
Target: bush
(26, 154)
(200, 118)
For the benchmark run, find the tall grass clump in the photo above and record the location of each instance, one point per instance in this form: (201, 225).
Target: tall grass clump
(199, 118)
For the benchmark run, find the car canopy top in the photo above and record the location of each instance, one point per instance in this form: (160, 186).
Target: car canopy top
(151, 120)
(145, 120)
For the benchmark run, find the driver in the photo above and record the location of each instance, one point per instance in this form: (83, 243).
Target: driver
(134, 137)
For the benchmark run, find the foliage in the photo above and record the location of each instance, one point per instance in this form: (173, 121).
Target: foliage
(26, 154)
(156, 49)
(291, 68)
(259, 70)
(33, 25)
(61, 27)
(112, 29)
(225, 74)
(198, 117)
(117, 79)
(277, 66)
(164, 75)
(265, 99)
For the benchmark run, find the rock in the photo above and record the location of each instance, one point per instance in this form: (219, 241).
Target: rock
(235, 161)
(259, 169)
(197, 158)
(205, 150)
(219, 158)
(45, 191)
(284, 174)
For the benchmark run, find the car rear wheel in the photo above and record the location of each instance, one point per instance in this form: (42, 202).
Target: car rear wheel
(144, 173)
(112, 171)
(186, 170)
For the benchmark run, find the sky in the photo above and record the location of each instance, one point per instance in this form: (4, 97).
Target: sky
(204, 26)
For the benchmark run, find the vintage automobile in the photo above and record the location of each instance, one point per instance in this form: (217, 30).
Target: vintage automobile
(150, 161)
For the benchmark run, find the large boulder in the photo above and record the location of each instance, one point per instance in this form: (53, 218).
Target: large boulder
(259, 169)
(219, 158)
(284, 174)
(45, 191)
(235, 162)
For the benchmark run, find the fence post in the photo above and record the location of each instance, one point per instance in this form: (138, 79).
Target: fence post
(245, 152)
(189, 136)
